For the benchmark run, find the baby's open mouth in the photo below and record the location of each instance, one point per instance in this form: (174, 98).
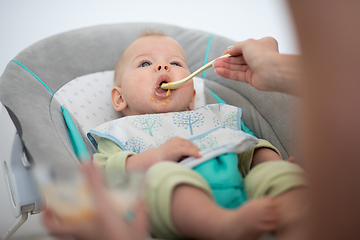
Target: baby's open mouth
(159, 87)
(158, 91)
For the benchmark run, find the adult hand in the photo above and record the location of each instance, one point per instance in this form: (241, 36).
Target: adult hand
(107, 222)
(258, 63)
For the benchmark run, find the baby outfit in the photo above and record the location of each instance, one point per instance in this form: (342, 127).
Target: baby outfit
(226, 158)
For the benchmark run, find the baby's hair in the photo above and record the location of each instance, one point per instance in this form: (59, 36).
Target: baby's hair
(151, 32)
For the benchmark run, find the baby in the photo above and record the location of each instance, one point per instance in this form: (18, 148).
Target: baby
(184, 202)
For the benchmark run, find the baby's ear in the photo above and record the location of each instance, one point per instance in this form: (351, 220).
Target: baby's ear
(192, 103)
(117, 99)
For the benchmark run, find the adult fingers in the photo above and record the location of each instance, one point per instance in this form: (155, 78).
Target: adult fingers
(236, 49)
(140, 224)
(239, 60)
(231, 66)
(100, 196)
(229, 74)
(94, 179)
(51, 222)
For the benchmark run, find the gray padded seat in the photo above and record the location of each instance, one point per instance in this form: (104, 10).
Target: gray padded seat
(59, 59)
(63, 57)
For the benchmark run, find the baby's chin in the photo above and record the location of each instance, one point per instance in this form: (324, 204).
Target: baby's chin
(166, 107)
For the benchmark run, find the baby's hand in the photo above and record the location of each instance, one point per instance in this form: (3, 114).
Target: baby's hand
(174, 149)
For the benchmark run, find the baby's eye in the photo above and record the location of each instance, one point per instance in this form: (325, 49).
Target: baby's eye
(176, 64)
(144, 64)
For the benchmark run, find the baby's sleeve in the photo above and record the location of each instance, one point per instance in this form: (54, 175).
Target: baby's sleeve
(245, 158)
(112, 159)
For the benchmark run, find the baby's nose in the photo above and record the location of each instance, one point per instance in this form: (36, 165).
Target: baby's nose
(162, 67)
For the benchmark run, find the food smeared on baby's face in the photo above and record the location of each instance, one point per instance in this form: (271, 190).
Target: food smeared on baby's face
(164, 103)
(155, 92)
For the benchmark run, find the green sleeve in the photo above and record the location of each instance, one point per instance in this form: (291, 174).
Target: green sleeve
(245, 158)
(112, 159)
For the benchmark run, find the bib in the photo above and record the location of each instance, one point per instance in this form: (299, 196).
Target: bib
(215, 129)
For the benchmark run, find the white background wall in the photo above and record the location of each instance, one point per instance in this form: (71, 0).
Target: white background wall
(24, 22)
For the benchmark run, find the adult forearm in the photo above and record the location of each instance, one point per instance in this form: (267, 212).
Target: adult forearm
(282, 73)
(329, 38)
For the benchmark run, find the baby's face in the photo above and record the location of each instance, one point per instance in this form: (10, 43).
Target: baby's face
(149, 62)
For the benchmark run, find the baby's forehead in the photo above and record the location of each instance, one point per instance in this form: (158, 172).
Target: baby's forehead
(153, 42)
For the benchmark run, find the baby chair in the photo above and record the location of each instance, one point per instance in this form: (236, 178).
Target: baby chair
(56, 90)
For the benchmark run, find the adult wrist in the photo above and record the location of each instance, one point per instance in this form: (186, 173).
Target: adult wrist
(282, 73)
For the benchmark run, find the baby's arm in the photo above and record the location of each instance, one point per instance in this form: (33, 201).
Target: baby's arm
(264, 154)
(111, 158)
(173, 149)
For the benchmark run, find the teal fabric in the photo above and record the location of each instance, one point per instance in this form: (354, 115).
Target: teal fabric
(207, 54)
(243, 127)
(225, 180)
(75, 137)
(223, 175)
